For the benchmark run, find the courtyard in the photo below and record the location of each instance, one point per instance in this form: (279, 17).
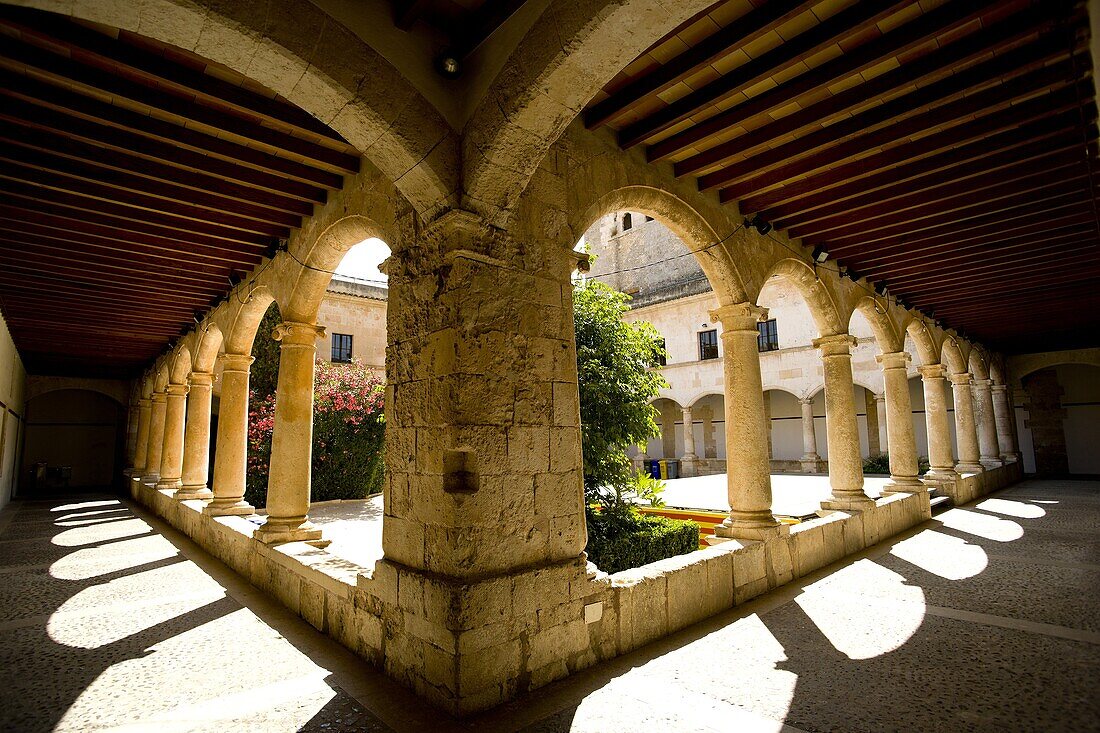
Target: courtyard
(984, 619)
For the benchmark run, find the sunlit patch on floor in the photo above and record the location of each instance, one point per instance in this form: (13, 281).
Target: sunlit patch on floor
(96, 533)
(941, 554)
(92, 562)
(981, 525)
(1020, 509)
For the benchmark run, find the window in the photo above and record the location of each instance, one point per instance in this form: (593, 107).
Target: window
(341, 348)
(768, 340)
(662, 356)
(627, 222)
(708, 345)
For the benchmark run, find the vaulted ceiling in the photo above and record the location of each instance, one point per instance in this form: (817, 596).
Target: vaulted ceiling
(944, 150)
(136, 180)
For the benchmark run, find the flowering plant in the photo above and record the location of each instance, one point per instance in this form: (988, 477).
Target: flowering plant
(348, 435)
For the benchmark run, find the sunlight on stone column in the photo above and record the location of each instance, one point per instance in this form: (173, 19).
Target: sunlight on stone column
(941, 554)
(862, 625)
(981, 525)
(1012, 508)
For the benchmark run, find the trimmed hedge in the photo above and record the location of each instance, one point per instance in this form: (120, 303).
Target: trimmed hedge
(624, 540)
(881, 464)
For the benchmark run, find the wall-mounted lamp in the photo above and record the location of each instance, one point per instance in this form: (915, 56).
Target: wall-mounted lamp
(820, 254)
(758, 224)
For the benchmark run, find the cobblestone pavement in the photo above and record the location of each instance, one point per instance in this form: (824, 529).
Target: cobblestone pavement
(985, 619)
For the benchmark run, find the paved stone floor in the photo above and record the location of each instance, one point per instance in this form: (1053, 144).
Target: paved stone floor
(985, 619)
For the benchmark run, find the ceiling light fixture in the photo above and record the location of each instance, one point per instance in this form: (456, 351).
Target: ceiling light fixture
(758, 224)
(820, 254)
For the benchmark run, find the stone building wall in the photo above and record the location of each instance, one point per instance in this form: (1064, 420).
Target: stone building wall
(357, 309)
(13, 379)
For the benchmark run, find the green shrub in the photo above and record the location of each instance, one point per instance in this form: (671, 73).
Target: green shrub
(877, 464)
(625, 539)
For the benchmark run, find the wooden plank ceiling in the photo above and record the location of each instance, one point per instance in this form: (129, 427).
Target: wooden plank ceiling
(137, 180)
(944, 150)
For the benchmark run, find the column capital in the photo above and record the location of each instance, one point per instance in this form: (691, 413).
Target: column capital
(201, 379)
(839, 344)
(739, 316)
(960, 379)
(686, 410)
(144, 402)
(981, 382)
(296, 333)
(176, 389)
(236, 362)
(161, 396)
(806, 400)
(999, 388)
(895, 360)
(932, 371)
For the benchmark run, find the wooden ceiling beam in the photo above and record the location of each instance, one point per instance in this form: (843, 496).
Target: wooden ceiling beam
(201, 247)
(754, 24)
(945, 164)
(52, 184)
(1045, 279)
(896, 42)
(14, 134)
(154, 155)
(823, 151)
(19, 57)
(941, 200)
(848, 22)
(923, 108)
(124, 57)
(1031, 110)
(103, 176)
(48, 96)
(917, 73)
(130, 219)
(26, 278)
(983, 266)
(982, 205)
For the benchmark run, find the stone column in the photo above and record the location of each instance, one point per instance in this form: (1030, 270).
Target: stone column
(171, 457)
(158, 405)
(141, 450)
(288, 483)
(748, 473)
(965, 430)
(882, 422)
(845, 461)
(900, 441)
(1003, 416)
(941, 458)
(641, 458)
(196, 439)
(133, 418)
(811, 461)
(874, 437)
(990, 450)
(231, 457)
(687, 462)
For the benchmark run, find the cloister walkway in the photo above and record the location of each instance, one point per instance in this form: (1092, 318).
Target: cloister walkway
(986, 618)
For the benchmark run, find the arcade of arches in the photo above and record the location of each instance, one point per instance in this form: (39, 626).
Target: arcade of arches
(172, 167)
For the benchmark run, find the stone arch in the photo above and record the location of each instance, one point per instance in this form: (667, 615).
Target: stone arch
(691, 227)
(116, 391)
(160, 381)
(888, 337)
(299, 295)
(244, 319)
(703, 395)
(296, 50)
(179, 365)
(208, 344)
(952, 357)
(777, 388)
(979, 364)
(923, 341)
(822, 304)
(564, 60)
(1024, 364)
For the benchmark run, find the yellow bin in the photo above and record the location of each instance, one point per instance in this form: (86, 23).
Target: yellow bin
(664, 469)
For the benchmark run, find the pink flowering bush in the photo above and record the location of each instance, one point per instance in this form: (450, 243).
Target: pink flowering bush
(348, 435)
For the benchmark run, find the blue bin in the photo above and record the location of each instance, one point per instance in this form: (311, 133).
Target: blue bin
(655, 468)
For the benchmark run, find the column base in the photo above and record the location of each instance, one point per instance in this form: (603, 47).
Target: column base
(149, 478)
(969, 468)
(229, 508)
(1010, 457)
(187, 493)
(904, 485)
(687, 466)
(848, 502)
(281, 531)
(992, 462)
(751, 529)
(169, 483)
(812, 464)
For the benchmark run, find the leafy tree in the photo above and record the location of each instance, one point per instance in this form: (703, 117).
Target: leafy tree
(264, 375)
(615, 363)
